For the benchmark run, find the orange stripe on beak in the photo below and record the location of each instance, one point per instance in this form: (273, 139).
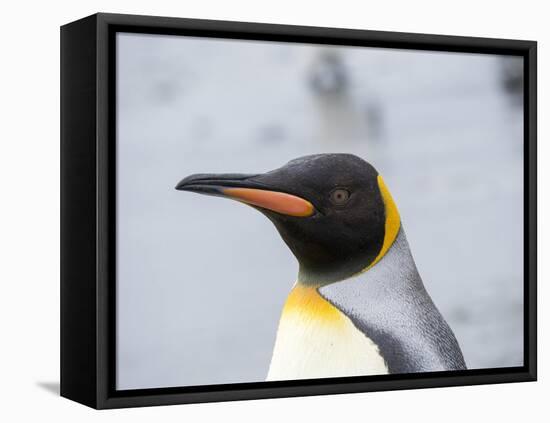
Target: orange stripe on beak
(279, 202)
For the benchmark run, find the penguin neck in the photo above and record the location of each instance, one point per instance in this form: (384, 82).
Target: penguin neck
(306, 299)
(309, 279)
(305, 296)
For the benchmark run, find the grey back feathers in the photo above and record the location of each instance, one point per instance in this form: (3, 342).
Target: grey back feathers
(390, 305)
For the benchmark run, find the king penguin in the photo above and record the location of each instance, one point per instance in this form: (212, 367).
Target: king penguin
(359, 306)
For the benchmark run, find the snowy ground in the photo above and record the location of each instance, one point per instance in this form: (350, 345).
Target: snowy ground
(201, 281)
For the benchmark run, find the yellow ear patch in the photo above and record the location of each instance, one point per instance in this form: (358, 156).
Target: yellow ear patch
(393, 221)
(392, 225)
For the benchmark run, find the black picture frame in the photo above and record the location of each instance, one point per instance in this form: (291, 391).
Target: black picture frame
(88, 209)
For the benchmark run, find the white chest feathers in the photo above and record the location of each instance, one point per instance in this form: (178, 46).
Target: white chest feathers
(316, 340)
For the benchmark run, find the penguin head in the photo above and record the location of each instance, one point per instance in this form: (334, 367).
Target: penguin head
(332, 210)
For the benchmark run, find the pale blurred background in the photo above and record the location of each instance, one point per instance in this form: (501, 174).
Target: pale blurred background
(201, 281)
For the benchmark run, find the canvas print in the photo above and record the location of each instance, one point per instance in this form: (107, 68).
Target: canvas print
(376, 221)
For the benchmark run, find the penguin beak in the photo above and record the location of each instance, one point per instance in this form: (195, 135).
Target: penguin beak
(243, 188)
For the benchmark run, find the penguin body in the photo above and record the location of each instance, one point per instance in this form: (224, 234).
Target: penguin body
(359, 306)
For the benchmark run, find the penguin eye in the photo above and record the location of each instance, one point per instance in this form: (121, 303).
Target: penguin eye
(339, 196)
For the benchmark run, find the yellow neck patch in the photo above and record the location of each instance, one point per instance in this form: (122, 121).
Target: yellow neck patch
(315, 340)
(306, 301)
